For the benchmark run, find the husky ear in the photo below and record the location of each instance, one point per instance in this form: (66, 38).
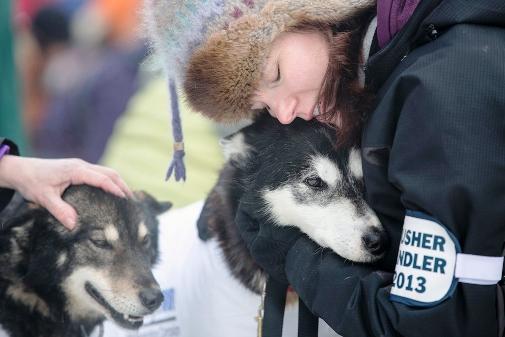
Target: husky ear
(235, 147)
(156, 206)
(18, 212)
(21, 224)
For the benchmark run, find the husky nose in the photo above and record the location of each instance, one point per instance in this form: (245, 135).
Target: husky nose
(375, 241)
(151, 298)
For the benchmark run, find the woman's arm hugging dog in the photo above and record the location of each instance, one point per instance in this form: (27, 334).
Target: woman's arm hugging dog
(65, 282)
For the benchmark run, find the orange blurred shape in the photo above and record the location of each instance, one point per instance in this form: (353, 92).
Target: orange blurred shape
(120, 15)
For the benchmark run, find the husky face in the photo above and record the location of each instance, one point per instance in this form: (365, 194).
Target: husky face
(101, 269)
(112, 258)
(300, 179)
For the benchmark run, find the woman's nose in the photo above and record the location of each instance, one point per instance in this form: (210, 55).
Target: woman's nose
(285, 111)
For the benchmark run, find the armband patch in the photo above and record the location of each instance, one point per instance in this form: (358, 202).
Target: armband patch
(425, 267)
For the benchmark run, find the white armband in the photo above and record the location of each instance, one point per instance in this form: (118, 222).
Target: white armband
(430, 263)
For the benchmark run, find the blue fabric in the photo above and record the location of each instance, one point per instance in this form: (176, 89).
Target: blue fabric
(80, 120)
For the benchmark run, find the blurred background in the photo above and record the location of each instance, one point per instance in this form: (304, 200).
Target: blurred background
(75, 81)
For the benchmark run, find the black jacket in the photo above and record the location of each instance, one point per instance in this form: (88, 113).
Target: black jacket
(6, 194)
(435, 143)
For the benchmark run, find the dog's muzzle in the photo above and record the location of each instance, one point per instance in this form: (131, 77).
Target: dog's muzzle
(151, 299)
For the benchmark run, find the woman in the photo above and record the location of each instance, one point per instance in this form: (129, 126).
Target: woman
(433, 163)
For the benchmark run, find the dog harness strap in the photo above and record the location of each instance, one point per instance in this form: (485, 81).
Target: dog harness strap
(275, 303)
(308, 323)
(477, 269)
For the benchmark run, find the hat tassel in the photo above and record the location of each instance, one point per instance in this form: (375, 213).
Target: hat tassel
(177, 164)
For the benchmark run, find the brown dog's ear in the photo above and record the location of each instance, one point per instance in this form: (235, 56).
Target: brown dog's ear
(156, 206)
(16, 207)
(19, 224)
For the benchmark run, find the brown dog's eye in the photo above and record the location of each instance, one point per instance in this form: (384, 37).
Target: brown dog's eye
(146, 241)
(102, 244)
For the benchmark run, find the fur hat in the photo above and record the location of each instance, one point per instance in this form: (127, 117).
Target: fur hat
(216, 48)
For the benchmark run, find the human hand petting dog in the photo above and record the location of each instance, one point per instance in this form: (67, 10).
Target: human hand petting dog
(43, 181)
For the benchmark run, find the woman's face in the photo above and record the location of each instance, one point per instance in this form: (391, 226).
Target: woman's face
(292, 76)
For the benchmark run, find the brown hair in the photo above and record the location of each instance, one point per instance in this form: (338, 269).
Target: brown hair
(344, 101)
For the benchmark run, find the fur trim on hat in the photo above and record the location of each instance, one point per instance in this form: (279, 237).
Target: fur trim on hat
(222, 70)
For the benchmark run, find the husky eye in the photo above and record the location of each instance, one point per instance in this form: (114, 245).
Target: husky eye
(146, 241)
(315, 182)
(102, 244)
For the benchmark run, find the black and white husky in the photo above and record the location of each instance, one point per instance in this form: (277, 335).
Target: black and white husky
(60, 283)
(299, 179)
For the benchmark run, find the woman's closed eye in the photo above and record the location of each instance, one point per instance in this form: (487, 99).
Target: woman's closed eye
(274, 74)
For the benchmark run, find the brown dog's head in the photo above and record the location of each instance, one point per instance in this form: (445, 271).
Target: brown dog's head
(101, 269)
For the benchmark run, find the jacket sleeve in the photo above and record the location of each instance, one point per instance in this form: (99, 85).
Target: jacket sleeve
(447, 159)
(5, 193)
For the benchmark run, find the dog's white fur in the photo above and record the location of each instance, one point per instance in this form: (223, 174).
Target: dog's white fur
(355, 163)
(235, 147)
(80, 304)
